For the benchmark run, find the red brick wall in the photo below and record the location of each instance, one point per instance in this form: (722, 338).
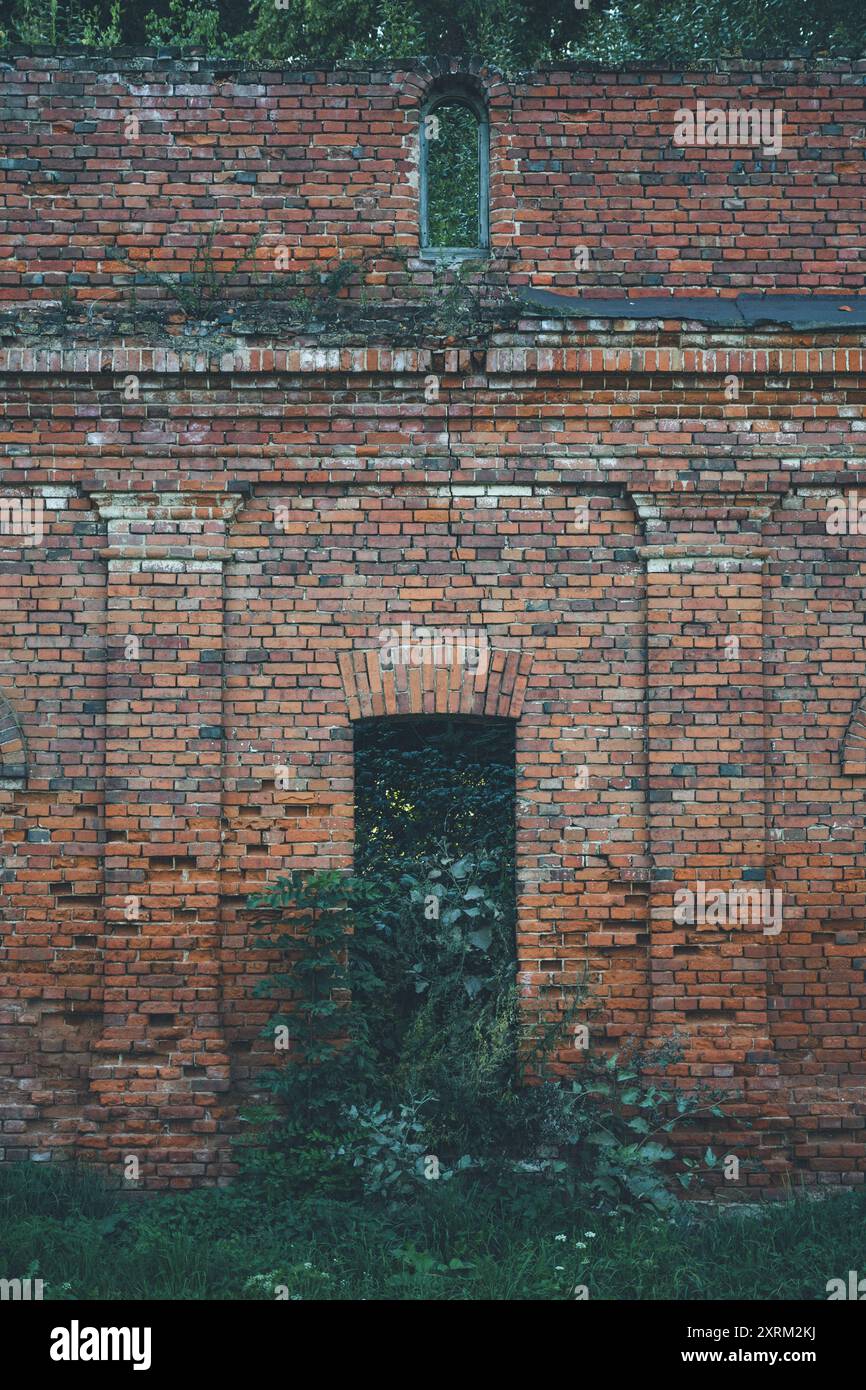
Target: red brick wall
(649, 559)
(327, 165)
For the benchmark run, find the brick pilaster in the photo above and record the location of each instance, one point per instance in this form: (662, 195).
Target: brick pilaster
(161, 1063)
(707, 798)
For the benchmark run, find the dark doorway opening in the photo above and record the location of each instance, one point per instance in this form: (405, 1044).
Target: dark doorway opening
(435, 829)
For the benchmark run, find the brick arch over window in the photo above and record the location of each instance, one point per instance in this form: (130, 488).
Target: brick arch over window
(854, 742)
(494, 687)
(13, 752)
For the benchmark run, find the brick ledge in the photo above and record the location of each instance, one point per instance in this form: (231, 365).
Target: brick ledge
(504, 361)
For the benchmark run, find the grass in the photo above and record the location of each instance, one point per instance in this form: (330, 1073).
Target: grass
(472, 1241)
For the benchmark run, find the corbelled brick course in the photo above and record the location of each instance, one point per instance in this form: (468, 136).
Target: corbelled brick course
(633, 514)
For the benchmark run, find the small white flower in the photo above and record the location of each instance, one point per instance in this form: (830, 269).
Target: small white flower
(559, 1237)
(559, 1266)
(590, 1234)
(580, 1245)
(308, 1264)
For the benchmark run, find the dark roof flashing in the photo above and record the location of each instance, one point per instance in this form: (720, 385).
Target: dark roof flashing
(805, 310)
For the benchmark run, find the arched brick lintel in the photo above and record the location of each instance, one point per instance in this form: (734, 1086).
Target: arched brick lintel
(854, 742)
(494, 688)
(13, 752)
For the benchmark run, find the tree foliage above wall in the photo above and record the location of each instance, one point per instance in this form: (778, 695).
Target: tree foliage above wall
(510, 34)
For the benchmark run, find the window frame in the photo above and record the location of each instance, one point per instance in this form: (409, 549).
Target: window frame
(456, 96)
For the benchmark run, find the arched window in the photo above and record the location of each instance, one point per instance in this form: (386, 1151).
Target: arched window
(454, 174)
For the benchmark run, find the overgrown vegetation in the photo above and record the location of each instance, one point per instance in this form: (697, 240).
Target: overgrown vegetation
(405, 1052)
(513, 34)
(204, 286)
(210, 301)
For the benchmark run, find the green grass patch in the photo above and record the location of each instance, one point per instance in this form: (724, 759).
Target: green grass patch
(471, 1239)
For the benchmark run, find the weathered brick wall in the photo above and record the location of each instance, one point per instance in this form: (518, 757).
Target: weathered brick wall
(139, 158)
(647, 553)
